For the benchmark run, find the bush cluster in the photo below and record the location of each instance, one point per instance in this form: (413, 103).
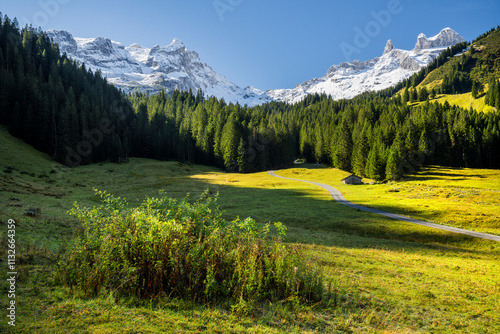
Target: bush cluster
(171, 248)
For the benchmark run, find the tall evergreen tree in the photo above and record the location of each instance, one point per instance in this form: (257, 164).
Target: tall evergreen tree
(342, 147)
(242, 157)
(375, 164)
(474, 91)
(393, 169)
(360, 153)
(229, 144)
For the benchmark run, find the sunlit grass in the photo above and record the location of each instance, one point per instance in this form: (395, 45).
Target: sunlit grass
(465, 101)
(461, 197)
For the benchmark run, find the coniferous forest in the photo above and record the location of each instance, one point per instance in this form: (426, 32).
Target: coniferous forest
(64, 109)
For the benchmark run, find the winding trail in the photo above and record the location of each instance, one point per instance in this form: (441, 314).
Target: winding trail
(339, 198)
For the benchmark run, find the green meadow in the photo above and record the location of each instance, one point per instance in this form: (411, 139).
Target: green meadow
(387, 276)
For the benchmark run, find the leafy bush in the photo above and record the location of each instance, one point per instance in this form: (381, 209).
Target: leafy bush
(173, 248)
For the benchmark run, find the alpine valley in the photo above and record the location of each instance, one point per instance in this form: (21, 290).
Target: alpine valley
(369, 197)
(174, 67)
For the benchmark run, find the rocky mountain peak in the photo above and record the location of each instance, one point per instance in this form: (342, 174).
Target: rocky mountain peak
(388, 47)
(446, 37)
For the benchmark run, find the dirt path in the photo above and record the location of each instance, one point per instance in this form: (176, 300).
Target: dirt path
(339, 198)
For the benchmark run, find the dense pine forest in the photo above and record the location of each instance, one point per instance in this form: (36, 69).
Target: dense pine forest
(66, 110)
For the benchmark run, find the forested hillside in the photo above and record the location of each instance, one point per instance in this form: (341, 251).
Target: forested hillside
(476, 70)
(379, 138)
(61, 108)
(54, 104)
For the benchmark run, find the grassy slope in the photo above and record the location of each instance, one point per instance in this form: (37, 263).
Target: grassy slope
(390, 276)
(465, 101)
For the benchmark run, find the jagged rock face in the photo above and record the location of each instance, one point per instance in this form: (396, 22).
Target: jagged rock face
(406, 62)
(67, 43)
(445, 38)
(175, 67)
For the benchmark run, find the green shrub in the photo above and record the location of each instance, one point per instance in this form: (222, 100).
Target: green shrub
(173, 248)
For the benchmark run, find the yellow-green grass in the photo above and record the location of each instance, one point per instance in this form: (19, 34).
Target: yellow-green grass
(460, 197)
(389, 276)
(465, 101)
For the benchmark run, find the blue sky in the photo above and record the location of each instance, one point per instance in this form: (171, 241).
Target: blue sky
(265, 44)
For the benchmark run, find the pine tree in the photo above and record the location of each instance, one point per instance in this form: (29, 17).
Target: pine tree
(474, 89)
(375, 165)
(432, 94)
(423, 94)
(117, 152)
(413, 95)
(242, 158)
(229, 144)
(342, 148)
(360, 154)
(393, 169)
(423, 144)
(318, 145)
(304, 143)
(406, 96)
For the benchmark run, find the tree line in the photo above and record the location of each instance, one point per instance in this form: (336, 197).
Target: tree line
(380, 139)
(62, 108)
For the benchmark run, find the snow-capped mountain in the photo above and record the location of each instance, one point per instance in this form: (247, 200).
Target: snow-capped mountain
(162, 67)
(175, 67)
(349, 79)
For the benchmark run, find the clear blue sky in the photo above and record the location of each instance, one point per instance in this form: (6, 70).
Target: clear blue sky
(265, 44)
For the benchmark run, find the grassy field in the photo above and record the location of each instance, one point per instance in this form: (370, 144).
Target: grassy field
(389, 276)
(465, 101)
(459, 197)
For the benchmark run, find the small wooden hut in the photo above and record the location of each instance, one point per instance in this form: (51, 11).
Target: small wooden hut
(352, 179)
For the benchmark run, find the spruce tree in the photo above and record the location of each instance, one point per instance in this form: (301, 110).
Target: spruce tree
(423, 94)
(393, 168)
(406, 96)
(342, 148)
(318, 145)
(360, 154)
(242, 158)
(229, 144)
(375, 164)
(474, 89)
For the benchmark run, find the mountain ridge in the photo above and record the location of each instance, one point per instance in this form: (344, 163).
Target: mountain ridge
(173, 66)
